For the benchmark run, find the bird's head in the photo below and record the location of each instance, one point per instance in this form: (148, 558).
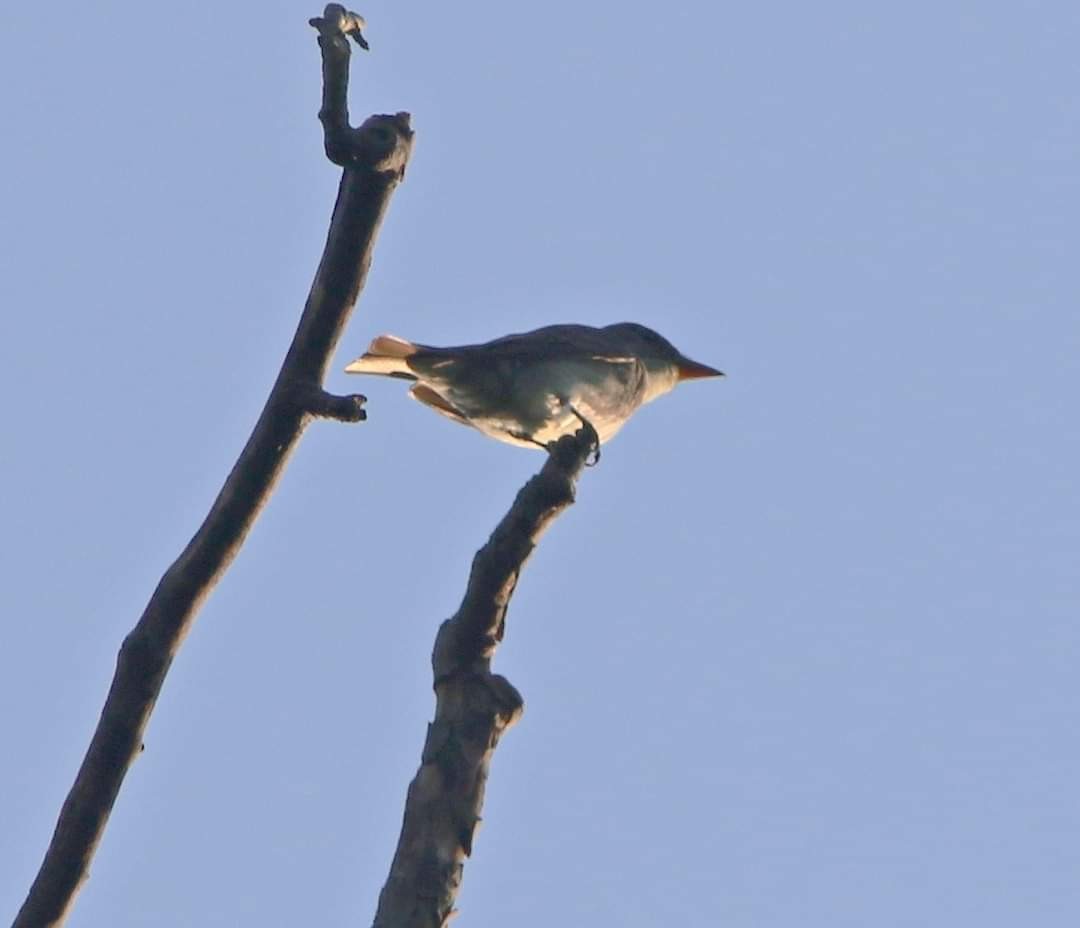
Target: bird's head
(665, 364)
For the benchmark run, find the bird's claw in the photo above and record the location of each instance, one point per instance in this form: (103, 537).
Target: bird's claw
(586, 433)
(589, 433)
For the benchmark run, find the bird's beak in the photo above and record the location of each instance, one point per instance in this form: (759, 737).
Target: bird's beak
(691, 370)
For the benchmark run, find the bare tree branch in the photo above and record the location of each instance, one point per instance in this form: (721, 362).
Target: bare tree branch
(374, 157)
(473, 705)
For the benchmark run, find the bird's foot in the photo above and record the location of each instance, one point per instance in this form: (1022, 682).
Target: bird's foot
(589, 434)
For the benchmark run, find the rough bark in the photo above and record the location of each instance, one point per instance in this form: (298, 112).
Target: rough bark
(473, 705)
(374, 158)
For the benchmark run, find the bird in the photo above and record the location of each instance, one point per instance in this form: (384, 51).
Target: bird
(530, 389)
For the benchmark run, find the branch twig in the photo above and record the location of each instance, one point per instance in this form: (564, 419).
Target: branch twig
(473, 706)
(374, 157)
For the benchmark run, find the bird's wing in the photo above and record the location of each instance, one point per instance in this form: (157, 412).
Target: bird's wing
(567, 342)
(554, 342)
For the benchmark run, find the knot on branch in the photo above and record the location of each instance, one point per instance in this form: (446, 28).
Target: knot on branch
(324, 405)
(508, 700)
(337, 23)
(384, 143)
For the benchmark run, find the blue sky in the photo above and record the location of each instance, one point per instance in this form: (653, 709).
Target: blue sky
(805, 650)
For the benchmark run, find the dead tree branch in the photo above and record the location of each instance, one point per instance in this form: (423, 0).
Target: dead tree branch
(473, 706)
(374, 158)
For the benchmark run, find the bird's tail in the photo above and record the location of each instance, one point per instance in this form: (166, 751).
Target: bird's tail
(387, 355)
